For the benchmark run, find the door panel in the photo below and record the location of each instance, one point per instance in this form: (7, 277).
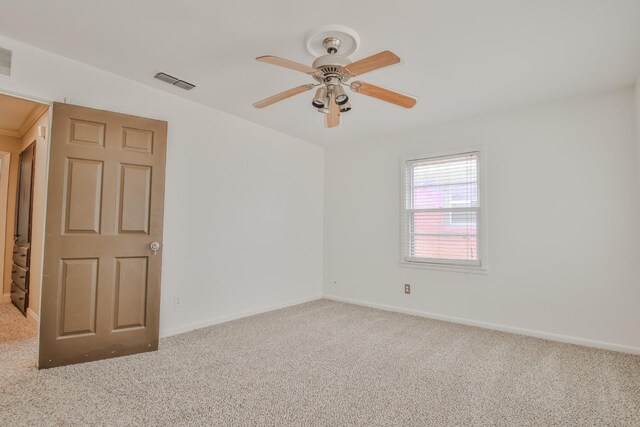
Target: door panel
(77, 289)
(131, 292)
(135, 195)
(84, 188)
(86, 133)
(101, 281)
(138, 140)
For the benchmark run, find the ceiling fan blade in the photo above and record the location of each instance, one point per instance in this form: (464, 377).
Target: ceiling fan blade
(373, 62)
(282, 95)
(333, 117)
(383, 94)
(274, 60)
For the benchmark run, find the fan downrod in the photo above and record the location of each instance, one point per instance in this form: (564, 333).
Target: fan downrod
(332, 44)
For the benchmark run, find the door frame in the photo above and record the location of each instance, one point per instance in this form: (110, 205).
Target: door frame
(34, 146)
(5, 168)
(49, 104)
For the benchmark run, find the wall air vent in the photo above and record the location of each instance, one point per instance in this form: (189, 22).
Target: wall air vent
(5, 61)
(184, 85)
(164, 77)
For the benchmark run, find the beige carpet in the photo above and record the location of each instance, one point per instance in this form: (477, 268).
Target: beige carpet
(14, 326)
(328, 363)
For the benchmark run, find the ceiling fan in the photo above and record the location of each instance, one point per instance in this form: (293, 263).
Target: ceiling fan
(332, 71)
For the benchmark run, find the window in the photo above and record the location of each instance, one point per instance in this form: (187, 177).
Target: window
(442, 210)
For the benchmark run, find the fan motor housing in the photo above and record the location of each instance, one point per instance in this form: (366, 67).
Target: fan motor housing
(332, 67)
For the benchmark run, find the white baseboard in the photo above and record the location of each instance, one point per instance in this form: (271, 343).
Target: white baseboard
(6, 298)
(487, 325)
(223, 319)
(32, 316)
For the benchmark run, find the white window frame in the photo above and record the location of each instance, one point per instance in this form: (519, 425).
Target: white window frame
(480, 267)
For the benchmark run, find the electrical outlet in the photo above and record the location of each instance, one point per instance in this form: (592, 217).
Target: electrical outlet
(407, 288)
(176, 302)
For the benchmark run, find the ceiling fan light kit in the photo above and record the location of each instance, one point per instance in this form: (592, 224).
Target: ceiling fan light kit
(332, 71)
(341, 96)
(319, 101)
(345, 107)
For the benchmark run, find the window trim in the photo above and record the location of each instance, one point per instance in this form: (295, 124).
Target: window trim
(446, 265)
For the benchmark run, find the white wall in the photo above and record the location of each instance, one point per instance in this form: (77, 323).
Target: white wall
(243, 218)
(638, 129)
(5, 161)
(9, 146)
(564, 222)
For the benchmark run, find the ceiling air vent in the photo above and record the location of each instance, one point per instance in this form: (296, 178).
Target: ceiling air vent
(164, 77)
(5, 61)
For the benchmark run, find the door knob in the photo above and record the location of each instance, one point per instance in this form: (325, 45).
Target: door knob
(154, 247)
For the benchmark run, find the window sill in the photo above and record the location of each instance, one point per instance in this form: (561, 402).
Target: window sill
(471, 269)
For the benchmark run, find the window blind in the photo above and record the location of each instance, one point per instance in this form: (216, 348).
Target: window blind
(441, 208)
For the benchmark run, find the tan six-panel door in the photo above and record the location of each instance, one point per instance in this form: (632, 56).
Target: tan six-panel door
(101, 279)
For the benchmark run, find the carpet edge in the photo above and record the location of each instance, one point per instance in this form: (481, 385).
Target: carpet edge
(567, 339)
(228, 318)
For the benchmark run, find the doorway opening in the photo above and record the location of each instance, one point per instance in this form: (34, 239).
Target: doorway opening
(24, 128)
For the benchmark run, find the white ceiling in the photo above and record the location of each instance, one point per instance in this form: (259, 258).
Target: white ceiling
(460, 57)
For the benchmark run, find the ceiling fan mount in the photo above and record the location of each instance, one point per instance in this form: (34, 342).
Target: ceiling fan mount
(316, 45)
(331, 71)
(332, 44)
